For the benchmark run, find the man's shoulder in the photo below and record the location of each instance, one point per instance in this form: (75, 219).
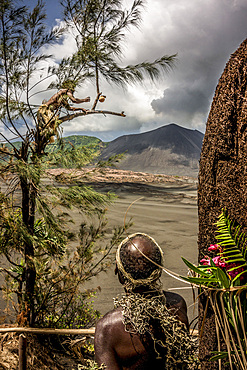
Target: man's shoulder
(110, 332)
(177, 306)
(173, 299)
(110, 321)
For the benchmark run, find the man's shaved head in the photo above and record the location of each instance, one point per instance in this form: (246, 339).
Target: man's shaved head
(132, 252)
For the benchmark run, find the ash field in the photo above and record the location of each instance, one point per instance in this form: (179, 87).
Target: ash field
(165, 205)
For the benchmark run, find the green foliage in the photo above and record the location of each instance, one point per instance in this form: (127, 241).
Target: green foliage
(13, 233)
(83, 197)
(73, 157)
(214, 278)
(34, 211)
(232, 267)
(22, 36)
(101, 28)
(61, 272)
(79, 141)
(79, 313)
(49, 241)
(223, 279)
(232, 240)
(60, 298)
(91, 365)
(66, 143)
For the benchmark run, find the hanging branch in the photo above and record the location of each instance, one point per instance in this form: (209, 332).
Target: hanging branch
(96, 59)
(96, 101)
(5, 64)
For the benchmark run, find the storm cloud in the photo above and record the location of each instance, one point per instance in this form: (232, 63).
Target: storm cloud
(203, 34)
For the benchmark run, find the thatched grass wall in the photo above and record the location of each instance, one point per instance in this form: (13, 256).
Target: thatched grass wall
(223, 170)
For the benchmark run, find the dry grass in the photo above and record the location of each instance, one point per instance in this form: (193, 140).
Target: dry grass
(40, 356)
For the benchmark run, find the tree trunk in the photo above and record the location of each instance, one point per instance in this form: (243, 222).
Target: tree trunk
(223, 173)
(26, 315)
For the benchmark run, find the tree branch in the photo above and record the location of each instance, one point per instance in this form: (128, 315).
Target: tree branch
(96, 101)
(9, 142)
(12, 263)
(6, 152)
(12, 132)
(20, 110)
(69, 117)
(9, 273)
(41, 80)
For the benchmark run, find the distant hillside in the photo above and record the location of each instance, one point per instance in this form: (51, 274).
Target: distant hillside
(170, 150)
(76, 141)
(73, 140)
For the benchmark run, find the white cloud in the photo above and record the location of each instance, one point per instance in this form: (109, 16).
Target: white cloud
(203, 32)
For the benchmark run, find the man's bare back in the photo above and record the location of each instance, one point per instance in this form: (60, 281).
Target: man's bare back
(119, 349)
(149, 328)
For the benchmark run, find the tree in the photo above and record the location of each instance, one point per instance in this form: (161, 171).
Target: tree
(222, 176)
(100, 28)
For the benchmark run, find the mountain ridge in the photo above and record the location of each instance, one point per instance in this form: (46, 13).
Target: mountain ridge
(170, 150)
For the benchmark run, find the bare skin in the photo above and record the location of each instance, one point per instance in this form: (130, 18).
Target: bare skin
(120, 350)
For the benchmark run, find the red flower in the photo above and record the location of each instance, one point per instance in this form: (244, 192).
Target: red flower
(219, 262)
(205, 262)
(213, 247)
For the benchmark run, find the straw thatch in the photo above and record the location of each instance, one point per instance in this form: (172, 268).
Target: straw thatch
(223, 170)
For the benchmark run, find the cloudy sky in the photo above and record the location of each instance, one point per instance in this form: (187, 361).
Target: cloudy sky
(203, 33)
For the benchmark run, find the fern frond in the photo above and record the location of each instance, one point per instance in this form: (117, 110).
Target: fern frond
(232, 241)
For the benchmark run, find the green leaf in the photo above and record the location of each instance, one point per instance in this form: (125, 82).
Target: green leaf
(212, 263)
(228, 251)
(231, 239)
(218, 356)
(222, 278)
(235, 268)
(194, 268)
(237, 260)
(195, 280)
(238, 276)
(236, 255)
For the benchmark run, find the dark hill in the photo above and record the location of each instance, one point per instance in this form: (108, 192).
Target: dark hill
(171, 149)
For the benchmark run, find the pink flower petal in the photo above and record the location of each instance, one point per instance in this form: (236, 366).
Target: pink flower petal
(205, 262)
(213, 247)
